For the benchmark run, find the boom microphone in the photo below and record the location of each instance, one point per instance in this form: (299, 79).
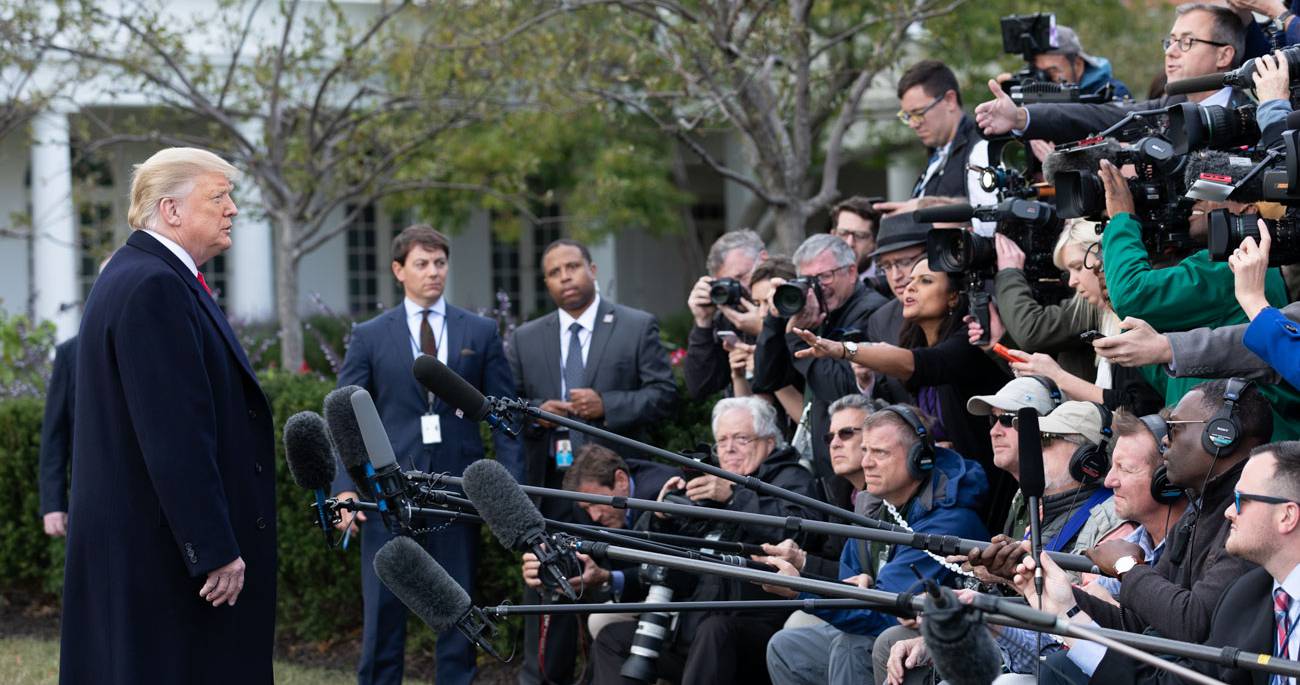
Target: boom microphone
(430, 593)
(1082, 159)
(311, 459)
(1241, 77)
(1032, 483)
(384, 474)
(346, 435)
(457, 392)
(949, 214)
(517, 524)
(1216, 175)
(960, 645)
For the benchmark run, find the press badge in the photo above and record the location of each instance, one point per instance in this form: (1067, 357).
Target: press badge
(563, 451)
(431, 429)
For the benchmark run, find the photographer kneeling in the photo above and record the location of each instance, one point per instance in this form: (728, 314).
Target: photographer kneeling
(720, 647)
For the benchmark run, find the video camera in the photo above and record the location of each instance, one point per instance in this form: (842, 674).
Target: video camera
(1029, 35)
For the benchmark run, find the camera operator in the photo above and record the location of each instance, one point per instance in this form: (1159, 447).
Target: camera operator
(740, 355)
(718, 647)
(856, 221)
(837, 305)
(732, 256)
(1069, 64)
(1204, 39)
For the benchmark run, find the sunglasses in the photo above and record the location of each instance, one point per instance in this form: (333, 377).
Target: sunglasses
(1004, 420)
(844, 434)
(1238, 497)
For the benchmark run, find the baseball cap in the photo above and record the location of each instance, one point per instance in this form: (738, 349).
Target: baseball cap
(1074, 418)
(1019, 393)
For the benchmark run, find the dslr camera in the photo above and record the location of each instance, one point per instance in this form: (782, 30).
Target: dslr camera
(790, 297)
(727, 292)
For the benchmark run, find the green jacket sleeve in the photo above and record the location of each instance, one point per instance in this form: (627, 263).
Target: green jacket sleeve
(1036, 327)
(1193, 293)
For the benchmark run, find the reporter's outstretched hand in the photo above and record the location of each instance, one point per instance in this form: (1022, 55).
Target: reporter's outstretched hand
(1138, 345)
(1000, 115)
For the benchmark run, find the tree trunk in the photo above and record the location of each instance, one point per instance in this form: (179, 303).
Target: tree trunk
(791, 222)
(286, 293)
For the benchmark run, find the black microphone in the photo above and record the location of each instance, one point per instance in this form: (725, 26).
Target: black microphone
(430, 593)
(1032, 484)
(517, 524)
(1241, 77)
(457, 392)
(384, 474)
(346, 434)
(951, 214)
(311, 459)
(1085, 158)
(961, 647)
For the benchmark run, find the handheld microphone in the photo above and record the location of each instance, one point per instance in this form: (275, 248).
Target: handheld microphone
(1032, 484)
(457, 392)
(960, 645)
(346, 435)
(310, 456)
(430, 593)
(384, 474)
(951, 214)
(517, 524)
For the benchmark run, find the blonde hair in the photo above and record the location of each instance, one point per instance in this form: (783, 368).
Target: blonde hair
(1083, 234)
(170, 173)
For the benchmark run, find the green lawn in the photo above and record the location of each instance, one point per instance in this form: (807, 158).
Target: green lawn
(35, 661)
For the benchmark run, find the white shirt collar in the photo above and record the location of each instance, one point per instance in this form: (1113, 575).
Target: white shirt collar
(1221, 98)
(175, 249)
(1291, 584)
(587, 319)
(412, 309)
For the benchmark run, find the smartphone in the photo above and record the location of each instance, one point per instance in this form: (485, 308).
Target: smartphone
(727, 339)
(1001, 350)
(1090, 336)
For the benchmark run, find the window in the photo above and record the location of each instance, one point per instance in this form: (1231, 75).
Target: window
(363, 259)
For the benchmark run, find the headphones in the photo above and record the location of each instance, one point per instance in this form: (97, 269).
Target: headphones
(1162, 491)
(1089, 463)
(920, 457)
(1052, 390)
(1223, 430)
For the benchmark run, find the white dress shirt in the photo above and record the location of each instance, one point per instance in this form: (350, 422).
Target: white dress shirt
(437, 321)
(177, 250)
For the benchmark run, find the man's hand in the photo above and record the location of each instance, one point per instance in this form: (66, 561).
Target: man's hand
(1119, 198)
(1249, 264)
(1139, 345)
(1058, 594)
(741, 359)
(1100, 592)
(811, 316)
(790, 551)
(1269, 8)
(348, 521)
(558, 407)
(899, 207)
(862, 580)
(224, 584)
(1041, 149)
(586, 404)
(702, 308)
(1000, 558)
(784, 568)
(1107, 553)
(819, 347)
(1010, 256)
(531, 571)
(710, 488)
(905, 655)
(56, 524)
(1000, 115)
(1272, 78)
(592, 574)
(748, 319)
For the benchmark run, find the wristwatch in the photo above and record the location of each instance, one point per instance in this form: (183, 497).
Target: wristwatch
(850, 349)
(1125, 564)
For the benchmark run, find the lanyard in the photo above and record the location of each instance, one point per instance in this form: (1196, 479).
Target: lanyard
(1076, 521)
(415, 345)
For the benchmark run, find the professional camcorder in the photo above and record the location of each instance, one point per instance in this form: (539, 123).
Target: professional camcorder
(1227, 230)
(1029, 35)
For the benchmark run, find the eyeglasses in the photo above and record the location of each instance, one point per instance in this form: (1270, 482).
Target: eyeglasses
(900, 263)
(1004, 420)
(1238, 497)
(1181, 422)
(739, 441)
(855, 236)
(828, 277)
(1186, 42)
(913, 118)
(845, 434)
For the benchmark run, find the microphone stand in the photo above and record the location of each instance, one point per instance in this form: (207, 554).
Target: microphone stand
(945, 545)
(999, 611)
(504, 610)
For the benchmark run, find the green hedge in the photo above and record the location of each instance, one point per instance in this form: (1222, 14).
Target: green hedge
(319, 588)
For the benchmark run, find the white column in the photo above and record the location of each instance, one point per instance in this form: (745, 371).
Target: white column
(251, 259)
(54, 225)
(901, 172)
(605, 257)
(736, 196)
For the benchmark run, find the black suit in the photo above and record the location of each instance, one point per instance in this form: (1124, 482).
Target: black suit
(1071, 121)
(56, 429)
(173, 476)
(950, 181)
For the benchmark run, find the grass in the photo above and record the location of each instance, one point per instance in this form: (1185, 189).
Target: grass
(35, 661)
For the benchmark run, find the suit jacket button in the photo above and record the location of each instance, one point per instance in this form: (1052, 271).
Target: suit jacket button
(190, 554)
(261, 523)
(252, 414)
(257, 468)
(1290, 328)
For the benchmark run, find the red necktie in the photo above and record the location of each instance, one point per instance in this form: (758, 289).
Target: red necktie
(204, 284)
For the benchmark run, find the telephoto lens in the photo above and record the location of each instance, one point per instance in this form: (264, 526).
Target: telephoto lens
(789, 297)
(726, 292)
(651, 629)
(954, 250)
(1228, 230)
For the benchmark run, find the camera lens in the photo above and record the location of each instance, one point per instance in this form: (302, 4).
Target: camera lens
(956, 250)
(789, 298)
(651, 629)
(1227, 231)
(1079, 194)
(725, 292)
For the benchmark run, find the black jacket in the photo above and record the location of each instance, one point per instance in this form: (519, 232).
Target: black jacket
(1177, 596)
(951, 180)
(56, 428)
(1071, 121)
(827, 379)
(883, 326)
(705, 367)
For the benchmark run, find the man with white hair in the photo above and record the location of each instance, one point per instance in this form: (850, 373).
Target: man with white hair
(171, 562)
(723, 647)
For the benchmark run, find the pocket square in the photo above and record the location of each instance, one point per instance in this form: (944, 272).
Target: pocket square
(466, 352)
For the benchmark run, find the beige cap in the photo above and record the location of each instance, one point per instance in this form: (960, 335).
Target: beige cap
(1074, 418)
(1019, 393)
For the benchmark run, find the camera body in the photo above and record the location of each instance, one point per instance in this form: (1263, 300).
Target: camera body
(727, 292)
(1033, 225)
(790, 297)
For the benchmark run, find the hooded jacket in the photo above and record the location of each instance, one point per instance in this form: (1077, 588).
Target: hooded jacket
(946, 504)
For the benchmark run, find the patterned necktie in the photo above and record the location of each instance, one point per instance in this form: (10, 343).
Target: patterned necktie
(204, 283)
(428, 344)
(573, 367)
(1282, 612)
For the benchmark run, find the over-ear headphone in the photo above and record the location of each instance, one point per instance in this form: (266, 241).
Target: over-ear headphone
(1162, 491)
(1223, 430)
(920, 457)
(1089, 463)
(1053, 391)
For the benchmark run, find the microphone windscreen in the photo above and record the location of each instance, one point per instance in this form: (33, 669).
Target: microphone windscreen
(1032, 480)
(372, 430)
(1196, 84)
(308, 451)
(343, 427)
(1217, 163)
(421, 583)
(1087, 158)
(457, 392)
(961, 647)
(508, 512)
(949, 214)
